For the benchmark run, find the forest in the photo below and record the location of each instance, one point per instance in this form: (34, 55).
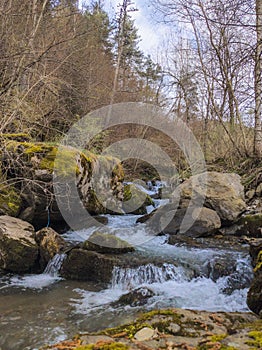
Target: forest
(60, 61)
(131, 178)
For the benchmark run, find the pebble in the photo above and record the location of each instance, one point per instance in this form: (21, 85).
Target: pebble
(145, 333)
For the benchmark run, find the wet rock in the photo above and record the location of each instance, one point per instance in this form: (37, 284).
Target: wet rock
(222, 192)
(18, 248)
(254, 297)
(135, 200)
(107, 244)
(195, 222)
(102, 219)
(250, 225)
(50, 243)
(255, 246)
(136, 297)
(81, 264)
(220, 267)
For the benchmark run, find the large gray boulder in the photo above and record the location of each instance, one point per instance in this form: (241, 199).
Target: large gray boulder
(18, 248)
(222, 192)
(194, 222)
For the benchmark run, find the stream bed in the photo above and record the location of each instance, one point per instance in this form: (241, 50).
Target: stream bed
(40, 309)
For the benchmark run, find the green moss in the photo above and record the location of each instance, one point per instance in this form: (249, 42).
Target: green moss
(218, 337)
(149, 315)
(128, 330)
(10, 200)
(106, 243)
(256, 341)
(32, 148)
(258, 262)
(104, 346)
(134, 197)
(16, 137)
(65, 161)
(147, 319)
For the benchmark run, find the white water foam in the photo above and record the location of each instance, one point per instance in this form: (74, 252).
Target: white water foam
(39, 281)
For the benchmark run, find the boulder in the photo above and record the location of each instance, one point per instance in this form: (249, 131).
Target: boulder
(221, 267)
(194, 222)
(18, 248)
(81, 264)
(255, 246)
(250, 225)
(107, 244)
(50, 243)
(135, 200)
(222, 192)
(38, 165)
(137, 297)
(254, 297)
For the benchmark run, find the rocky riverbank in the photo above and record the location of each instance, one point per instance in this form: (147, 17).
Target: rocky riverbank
(175, 329)
(208, 213)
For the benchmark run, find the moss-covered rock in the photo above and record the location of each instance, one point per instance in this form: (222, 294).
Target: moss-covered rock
(18, 248)
(107, 244)
(250, 225)
(176, 329)
(109, 345)
(38, 164)
(135, 200)
(10, 200)
(222, 192)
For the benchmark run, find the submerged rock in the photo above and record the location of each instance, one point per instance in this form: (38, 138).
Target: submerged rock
(222, 192)
(136, 297)
(18, 248)
(107, 244)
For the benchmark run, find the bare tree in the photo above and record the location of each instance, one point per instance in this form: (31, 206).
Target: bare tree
(258, 82)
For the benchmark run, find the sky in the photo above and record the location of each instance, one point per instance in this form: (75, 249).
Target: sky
(148, 30)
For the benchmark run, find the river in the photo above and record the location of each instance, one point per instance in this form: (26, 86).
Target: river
(40, 309)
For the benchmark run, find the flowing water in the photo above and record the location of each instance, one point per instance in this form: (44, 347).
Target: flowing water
(40, 309)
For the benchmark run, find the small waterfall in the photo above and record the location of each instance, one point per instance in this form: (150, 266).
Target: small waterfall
(54, 265)
(128, 278)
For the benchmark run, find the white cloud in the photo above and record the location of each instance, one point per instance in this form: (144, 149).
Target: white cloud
(150, 33)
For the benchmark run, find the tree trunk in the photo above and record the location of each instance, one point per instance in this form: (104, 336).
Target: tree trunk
(258, 82)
